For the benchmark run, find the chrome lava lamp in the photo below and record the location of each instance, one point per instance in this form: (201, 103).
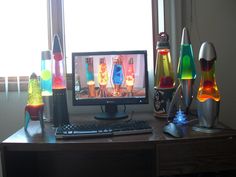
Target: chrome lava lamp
(129, 77)
(35, 105)
(208, 95)
(164, 87)
(103, 77)
(90, 76)
(117, 76)
(46, 82)
(60, 110)
(186, 71)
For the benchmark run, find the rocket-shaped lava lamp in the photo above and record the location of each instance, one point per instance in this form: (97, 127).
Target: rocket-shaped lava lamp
(186, 71)
(60, 110)
(34, 107)
(208, 94)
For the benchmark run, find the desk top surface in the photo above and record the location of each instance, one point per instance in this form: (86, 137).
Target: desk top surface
(35, 137)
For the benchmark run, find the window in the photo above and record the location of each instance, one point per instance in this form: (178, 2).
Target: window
(89, 25)
(23, 35)
(107, 25)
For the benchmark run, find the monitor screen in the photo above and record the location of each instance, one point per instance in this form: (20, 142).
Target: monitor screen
(110, 78)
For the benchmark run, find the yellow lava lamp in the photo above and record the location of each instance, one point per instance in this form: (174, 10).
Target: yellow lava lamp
(164, 77)
(103, 77)
(34, 107)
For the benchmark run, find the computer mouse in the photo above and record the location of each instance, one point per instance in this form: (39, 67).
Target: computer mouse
(173, 130)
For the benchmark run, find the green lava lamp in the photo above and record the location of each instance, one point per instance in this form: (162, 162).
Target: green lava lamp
(35, 105)
(186, 71)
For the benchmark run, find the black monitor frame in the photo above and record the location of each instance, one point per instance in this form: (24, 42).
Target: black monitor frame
(111, 110)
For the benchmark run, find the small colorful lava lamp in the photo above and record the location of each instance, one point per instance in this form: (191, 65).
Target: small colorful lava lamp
(60, 110)
(164, 77)
(90, 76)
(129, 77)
(102, 77)
(117, 76)
(34, 107)
(186, 71)
(46, 73)
(208, 95)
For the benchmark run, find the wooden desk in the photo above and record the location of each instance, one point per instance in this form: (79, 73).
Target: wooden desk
(34, 154)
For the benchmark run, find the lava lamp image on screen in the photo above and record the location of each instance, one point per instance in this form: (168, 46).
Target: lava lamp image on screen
(114, 75)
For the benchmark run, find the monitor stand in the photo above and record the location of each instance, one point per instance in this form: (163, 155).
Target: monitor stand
(111, 113)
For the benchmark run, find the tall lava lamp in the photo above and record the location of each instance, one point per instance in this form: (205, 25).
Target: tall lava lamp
(90, 76)
(164, 78)
(186, 71)
(103, 77)
(129, 77)
(60, 110)
(34, 107)
(208, 95)
(117, 76)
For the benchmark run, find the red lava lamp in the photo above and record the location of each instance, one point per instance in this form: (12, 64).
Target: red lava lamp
(60, 110)
(35, 105)
(164, 77)
(102, 77)
(208, 95)
(117, 76)
(129, 77)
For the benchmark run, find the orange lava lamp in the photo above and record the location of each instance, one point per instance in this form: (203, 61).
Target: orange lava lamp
(129, 77)
(208, 95)
(102, 77)
(60, 110)
(34, 107)
(164, 77)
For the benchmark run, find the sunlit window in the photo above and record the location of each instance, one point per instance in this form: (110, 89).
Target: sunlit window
(23, 35)
(107, 25)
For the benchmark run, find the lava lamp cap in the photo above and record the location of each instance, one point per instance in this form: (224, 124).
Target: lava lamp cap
(207, 51)
(56, 44)
(163, 41)
(46, 55)
(185, 37)
(33, 76)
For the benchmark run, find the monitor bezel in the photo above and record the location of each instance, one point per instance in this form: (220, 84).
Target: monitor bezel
(106, 101)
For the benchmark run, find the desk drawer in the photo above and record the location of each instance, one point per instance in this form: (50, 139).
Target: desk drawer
(196, 156)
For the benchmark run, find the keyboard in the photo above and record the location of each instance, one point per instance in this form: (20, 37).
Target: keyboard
(97, 129)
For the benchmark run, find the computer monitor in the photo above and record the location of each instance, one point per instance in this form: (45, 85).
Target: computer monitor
(109, 79)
